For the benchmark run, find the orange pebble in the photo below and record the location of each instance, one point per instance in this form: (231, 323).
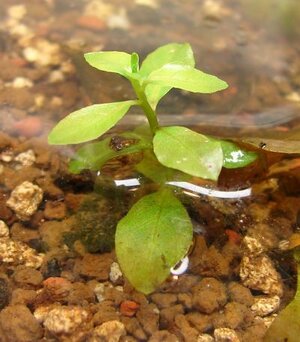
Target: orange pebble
(91, 22)
(129, 308)
(28, 127)
(233, 236)
(19, 62)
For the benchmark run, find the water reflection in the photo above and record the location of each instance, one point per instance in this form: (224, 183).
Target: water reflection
(192, 189)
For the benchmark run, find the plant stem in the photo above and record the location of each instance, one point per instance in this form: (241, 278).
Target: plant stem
(149, 112)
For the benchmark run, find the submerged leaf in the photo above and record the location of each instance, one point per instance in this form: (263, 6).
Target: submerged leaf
(88, 123)
(93, 156)
(286, 326)
(186, 78)
(235, 157)
(153, 237)
(110, 61)
(185, 150)
(275, 145)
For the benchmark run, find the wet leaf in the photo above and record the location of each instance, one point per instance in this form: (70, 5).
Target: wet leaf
(235, 157)
(186, 78)
(153, 237)
(93, 156)
(151, 168)
(170, 53)
(286, 326)
(185, 150)
(110, 61)
(88, 123)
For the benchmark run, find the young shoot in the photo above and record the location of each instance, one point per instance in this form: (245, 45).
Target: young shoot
(157, 231)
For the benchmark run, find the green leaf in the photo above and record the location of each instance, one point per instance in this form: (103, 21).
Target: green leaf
(135, 62)
(286, 325)
(186, 78)
(88, 123)
(110, 61)
(185, 150)
(170, 53)
(153, 237)
(151, 168)
(235, 157)
(154, 93)
(93, 156)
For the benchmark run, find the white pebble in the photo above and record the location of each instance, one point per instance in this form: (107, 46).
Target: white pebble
(22, 82)
(119, 20)
(115, 272)
(4, 231)
(17, 11)
(226, 335)
(7, 156)
(26, 158)
(263, 306)
(25, 199)
(31, 54)
(56, 76)
(293, 97)
(149, 3)
(39, 100)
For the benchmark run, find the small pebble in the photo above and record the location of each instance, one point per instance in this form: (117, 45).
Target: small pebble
(263, 306)
(205, 338)
(4, 230)
(21, 82)
(259, 273)
(225, 335)
(26, 158)
(4, 293)
(28, 127)
(17, 11)
(110, 331)
(65, 319)
(115, 272)
(129, 308)
(25, 199)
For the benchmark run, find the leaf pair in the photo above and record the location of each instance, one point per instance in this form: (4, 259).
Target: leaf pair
(196, 154)
(170, 66)
(173, 66)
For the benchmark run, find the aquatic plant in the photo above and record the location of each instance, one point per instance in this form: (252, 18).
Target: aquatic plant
(157, 232)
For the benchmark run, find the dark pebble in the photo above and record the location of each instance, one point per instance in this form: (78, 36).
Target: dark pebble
(4, 293)
(53, 269)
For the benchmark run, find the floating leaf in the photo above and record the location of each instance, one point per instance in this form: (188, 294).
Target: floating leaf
(93, 156)
(235, 157)
(185, 150)
(110, 61)
(88, 123)
(275, 145)
(170, 53)
(186, 78)
(153, 237)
